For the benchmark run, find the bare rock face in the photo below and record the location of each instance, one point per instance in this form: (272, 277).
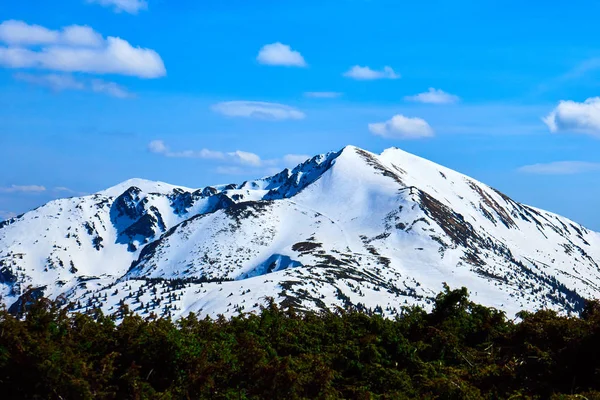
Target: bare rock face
(345, 229)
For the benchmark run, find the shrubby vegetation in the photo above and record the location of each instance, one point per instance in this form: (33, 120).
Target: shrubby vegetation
(460, 350)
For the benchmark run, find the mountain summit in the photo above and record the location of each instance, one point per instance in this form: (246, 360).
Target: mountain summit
(348, 228)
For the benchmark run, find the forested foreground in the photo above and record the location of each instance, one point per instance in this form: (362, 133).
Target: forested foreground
(460, 350)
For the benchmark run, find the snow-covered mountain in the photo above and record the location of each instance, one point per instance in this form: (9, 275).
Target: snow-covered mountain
(345, 228)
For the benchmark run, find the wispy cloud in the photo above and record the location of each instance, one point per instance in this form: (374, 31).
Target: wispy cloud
(561, 168)
(581, 69)
(323, 95)
(578, 75)
(571, 116)
(238, 161)
(401, 127)
(258, 110)
(128, 6)
(66, 82)
(37, 189)
(23, 189)
(365, 73)
(74, 49)
(433, 96)
(578, 72)
(55, 82)
(110, 88)
(238, 156)
(280, 54)
(20, 33)
(62, 190)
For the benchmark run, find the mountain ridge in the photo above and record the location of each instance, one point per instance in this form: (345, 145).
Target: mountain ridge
(349, 228)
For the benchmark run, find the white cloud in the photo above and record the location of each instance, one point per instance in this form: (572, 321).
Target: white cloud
(23, 189)
(258, 109)
(128, 6)
(55, 82)
(110, 88)
(576, 117)
(77, 35)
(434, 96)
(159, 147)
(561, 168)
(280, 54)
(235, 159)
(75, 49)
(401, 127)
(238, 156)
(291, 160)
(117, 57)
(365, 73)
(323, 95)
(63, 189)
(62, 82)
(244, 157)
(20, 33)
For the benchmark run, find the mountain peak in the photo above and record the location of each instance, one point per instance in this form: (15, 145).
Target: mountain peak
(349, 228)
(145, 185)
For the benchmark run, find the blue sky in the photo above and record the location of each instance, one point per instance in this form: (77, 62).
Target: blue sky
(94, 92)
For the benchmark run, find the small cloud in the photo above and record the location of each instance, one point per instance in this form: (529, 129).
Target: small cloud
(23, 189)
(576, 117)
(55, 82)
(291, 160)
(258, 110)
(63, 189)
(578, 72)
(75, 48)
(110, 88)
(434, 96)
(561, 168)
(19, 33)
(63, 82)
(323, 95)
(238, 156)
(365, 73)
(159, 147)
(401, 127)
(128, 6)
(280, 54)
(244, 157)
(241, 162)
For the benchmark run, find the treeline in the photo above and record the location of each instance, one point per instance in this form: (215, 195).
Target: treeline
(460, 350)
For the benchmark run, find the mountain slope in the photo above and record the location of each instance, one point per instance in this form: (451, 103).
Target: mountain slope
(345, 228)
